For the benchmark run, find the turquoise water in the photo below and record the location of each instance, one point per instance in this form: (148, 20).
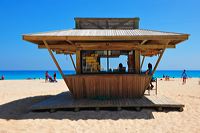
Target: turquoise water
(40, 74)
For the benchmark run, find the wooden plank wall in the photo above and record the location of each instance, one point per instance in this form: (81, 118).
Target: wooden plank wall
(107, 85)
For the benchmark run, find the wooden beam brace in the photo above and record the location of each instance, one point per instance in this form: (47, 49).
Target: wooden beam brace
(143, 42)
(54, 59)
(70, 42)
(142, 62)
(72, 62)
(159, 58)
(158, 61)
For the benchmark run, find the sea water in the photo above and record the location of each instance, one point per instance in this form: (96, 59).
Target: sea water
(40, 74)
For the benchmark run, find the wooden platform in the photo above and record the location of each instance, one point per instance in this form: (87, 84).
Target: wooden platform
(65, 101)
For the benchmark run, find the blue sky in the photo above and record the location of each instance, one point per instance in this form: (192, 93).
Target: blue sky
(28, 16)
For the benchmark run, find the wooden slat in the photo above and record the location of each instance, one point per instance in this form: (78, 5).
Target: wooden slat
(107, 85)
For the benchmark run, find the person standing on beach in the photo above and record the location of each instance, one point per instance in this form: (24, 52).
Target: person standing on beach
(149, 72)
(46, 76)
(54, 77)
(184, 76)
(2, 77)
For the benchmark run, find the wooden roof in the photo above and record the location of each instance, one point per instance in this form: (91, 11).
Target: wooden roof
(149, 42)
(104, 34)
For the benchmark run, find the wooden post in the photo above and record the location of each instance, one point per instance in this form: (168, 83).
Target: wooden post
(107, 62)
(54, 59)
(142, 62)
(78, 61)
(72, 61)
(137, 61)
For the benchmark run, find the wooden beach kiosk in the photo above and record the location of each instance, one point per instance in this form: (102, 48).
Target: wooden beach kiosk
(101, 80)
(95, 41)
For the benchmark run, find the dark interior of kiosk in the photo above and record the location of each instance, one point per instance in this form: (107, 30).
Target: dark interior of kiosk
(107, 61)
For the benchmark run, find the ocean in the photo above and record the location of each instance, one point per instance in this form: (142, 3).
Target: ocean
(15, 75)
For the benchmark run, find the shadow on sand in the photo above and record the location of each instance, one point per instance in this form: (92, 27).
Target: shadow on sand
(19, 110)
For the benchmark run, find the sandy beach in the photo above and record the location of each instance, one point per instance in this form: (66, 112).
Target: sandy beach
(16, 96)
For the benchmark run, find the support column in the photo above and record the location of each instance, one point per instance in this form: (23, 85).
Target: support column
(78, 61)
(137, 61)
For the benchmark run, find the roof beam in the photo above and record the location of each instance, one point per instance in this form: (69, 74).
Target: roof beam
(106, 46)
(143, 42)
(70, 42)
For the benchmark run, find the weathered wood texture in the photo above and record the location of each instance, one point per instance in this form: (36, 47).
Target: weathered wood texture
(78, 62)
(107, 23)
(107, 85)
(137, 61)
(66, 101)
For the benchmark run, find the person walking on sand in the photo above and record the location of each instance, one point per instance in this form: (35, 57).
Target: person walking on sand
(184, 76)
(2, 77)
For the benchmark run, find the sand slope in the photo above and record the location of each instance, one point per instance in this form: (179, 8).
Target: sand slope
(17, 96)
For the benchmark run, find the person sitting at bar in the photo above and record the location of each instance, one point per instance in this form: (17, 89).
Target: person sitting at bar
(149, 70)
(121, 68)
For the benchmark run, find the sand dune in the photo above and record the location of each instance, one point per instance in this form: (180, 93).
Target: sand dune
(17, 96)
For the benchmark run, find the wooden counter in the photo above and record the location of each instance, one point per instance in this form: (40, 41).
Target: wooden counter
(107, 85)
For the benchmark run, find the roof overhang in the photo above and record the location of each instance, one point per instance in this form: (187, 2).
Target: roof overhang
(68, 41)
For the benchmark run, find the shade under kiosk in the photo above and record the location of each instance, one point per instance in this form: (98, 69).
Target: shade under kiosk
(95, 39)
